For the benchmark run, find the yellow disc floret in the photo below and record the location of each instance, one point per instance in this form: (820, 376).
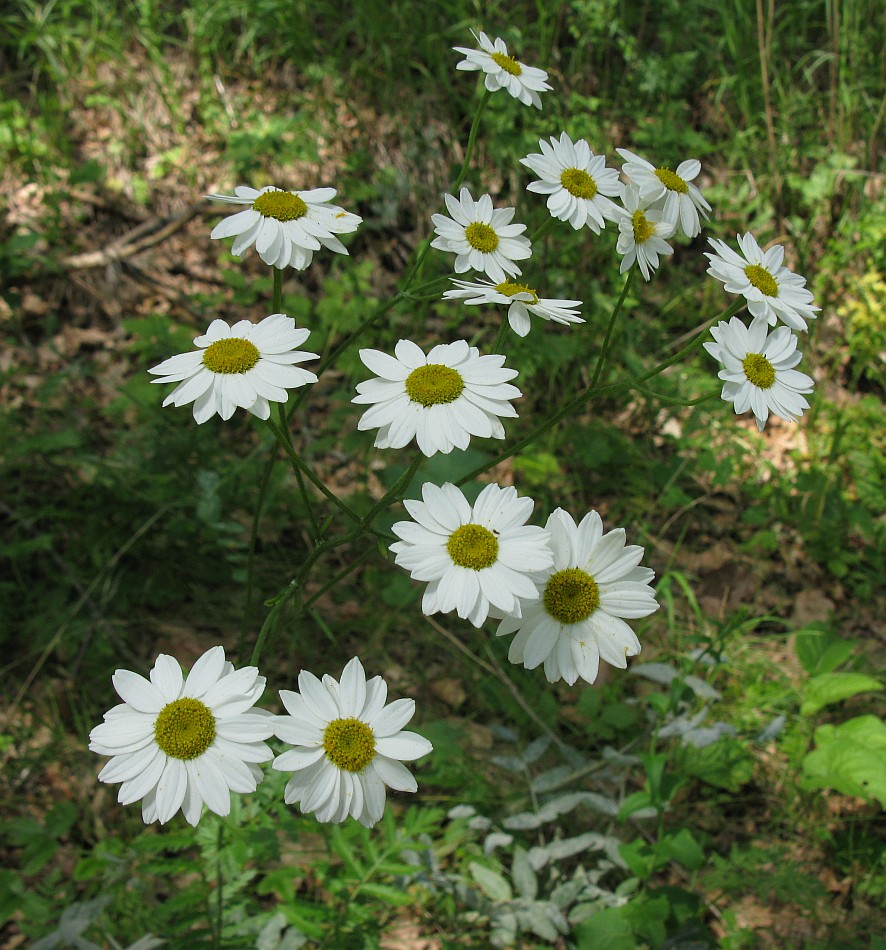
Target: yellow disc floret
(473, 546)
(671, 180)
(509, 288)
(507, 63)
(184, 729)
(481, 237)
(643, 227)
(578, 183)
(434, 385)
(282, 205)
(762, 280)
(349, 744)
(759, 371)
(571, 595)
(231, 356)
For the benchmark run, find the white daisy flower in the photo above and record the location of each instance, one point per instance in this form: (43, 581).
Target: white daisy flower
(286, 227)
(503, 71)
(247, 365)
(440, 400)
(758, 370)
(178, 743)
(682, 201)
(481, 236)
(641, 234)
(475, 557)
(520, 299)
(347, 745)
(576, 182)
(577, 618)
(772, 291)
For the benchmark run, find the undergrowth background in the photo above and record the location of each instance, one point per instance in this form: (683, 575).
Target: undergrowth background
(125, 528)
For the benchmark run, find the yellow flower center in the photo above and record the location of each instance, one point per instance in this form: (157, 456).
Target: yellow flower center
(762, 280)
(643, 227)
(482, 237)
(507, 63)
(434, 385)
(349, 744)
(473, 546)
(759, 371)
(230, 356)
(184, 729)
(282, 205)
(671, 180)
(578, 183)
(571, 595)
(509, 289)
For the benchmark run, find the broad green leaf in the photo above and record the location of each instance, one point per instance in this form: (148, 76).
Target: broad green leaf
(607, 930)
(682, 848)
(493, 885)
(523, 875)
(830, 688)
(820, 651)
(726, 764)
(850, 758)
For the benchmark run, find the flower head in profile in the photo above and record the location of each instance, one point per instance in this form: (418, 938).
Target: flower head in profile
(520, 299)
(682, 204)
(583, 600)
(758, 370)
(503, 71)
(473, 556)
(177, 743)
(578, 184)
(440, 400)
(641, 234)
(481, 236)
(772, 291)
(286, 227)
(347, 745)
(248, 365)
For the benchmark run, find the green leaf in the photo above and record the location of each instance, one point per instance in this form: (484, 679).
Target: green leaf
(850, 758)
(607, 930)
(637, 856)
(493, 885)
(725, 764)
(830, 688)
(820, 651)
(394, 896)
(682, 848)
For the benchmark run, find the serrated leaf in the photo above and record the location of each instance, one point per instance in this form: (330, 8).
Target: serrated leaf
(496, 840)
(830, 688)
(523, 876)
(820, 651)
(536, 749)
(552, 778)
(493, 885)
(657, 672)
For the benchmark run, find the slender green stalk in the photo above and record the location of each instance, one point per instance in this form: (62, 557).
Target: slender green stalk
(677, 402)
(340, 576)
(590, 393)
(302, 488)
(502, 333)
(299, 464)
(219, 891)
(253, 538)
(278, 290)
(364, 526)
(472, 139)
(542, 230)
(604, 349)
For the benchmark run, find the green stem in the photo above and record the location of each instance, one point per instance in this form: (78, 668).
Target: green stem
(542, 230)
(591, 392)
(472, 138)
(253, 538)
(342, 574)
(607, 339)
(676, 402)
(219, 891)
(502, 333)
(306, 498)
(278, 289)
(364, 525)
(299, 464)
